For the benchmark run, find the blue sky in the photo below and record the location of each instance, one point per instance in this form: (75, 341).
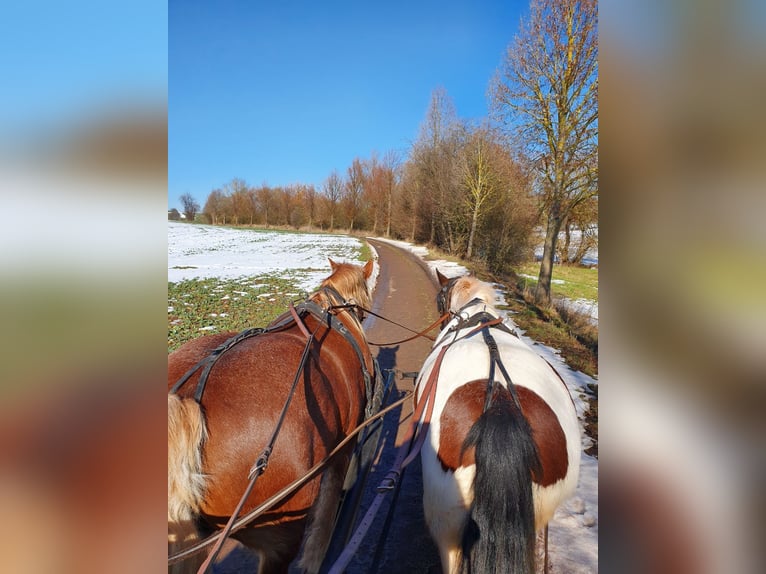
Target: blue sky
(64, 62)
(285, 92)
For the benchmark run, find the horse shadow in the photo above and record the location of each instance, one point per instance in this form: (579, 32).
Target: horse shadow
(399, 543)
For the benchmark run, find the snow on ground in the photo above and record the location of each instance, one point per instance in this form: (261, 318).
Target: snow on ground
(575, 237)
(573, 532)
(203, 251)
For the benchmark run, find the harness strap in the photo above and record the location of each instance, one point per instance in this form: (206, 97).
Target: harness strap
(479, 318)
(420, 334)
(211, 359)
(494, 359)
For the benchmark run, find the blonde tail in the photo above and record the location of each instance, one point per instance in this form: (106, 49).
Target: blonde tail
(186, 482)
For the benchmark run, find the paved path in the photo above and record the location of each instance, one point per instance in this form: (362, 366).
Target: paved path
(406, 294)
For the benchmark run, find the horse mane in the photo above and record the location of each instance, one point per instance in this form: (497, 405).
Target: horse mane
(468, 288)
(348, 280)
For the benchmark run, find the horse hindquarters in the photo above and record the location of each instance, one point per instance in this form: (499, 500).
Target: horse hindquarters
(499, 535)
(186, 483)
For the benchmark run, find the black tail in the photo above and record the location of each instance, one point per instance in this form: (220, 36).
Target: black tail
(500, 533)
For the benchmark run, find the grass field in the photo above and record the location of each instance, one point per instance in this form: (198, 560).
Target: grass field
(571, 282)
(205, 306)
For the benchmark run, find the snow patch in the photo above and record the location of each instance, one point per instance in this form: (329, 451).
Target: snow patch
(203, 251)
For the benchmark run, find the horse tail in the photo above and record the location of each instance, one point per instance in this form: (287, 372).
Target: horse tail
(499, 535)
(186, 482)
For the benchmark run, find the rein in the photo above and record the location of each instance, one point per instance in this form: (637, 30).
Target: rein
(415, 336)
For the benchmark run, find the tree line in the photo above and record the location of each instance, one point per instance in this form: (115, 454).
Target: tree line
(477, 190)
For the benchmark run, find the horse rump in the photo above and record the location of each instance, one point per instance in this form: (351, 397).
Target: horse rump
(499, 534)
(186, 482)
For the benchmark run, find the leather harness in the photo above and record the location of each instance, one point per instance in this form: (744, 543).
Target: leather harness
(282, 323)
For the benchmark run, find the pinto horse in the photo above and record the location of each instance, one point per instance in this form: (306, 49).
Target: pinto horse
(501, 453)
(214, 439)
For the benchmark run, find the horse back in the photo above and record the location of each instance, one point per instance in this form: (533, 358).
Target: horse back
(544, 400)
(243, 399)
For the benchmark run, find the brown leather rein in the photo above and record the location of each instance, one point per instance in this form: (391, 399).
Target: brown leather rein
(415, 336)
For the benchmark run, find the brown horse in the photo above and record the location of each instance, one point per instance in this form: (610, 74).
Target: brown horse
(213, 443)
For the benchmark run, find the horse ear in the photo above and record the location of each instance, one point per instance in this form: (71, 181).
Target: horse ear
(368, 269)
(442, 279)
(333, 265)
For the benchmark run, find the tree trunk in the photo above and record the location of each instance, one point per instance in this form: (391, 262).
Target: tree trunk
(332, 221)
(543, 289)
(567, 239)
(474, 219)
(388, 218)
(582, 248)
(433, 228)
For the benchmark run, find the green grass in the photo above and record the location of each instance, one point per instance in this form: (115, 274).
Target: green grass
(201, 307)
(365, 254)
(206, 306)
(578, 282)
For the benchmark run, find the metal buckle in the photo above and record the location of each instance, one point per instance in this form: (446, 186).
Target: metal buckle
(389, 482)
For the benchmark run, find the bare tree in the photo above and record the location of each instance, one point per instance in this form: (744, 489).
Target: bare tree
(190, 206)
(353, 191)
(309, 198)
(546, 93)
(434, 155)
(479, 180)
(391, 166)
(266, 201)
(237, 189)
(375, 188)
(214, 206)
(333, 189)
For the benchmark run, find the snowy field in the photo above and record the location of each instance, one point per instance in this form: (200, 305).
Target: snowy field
(198, 251)
(203, 251)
